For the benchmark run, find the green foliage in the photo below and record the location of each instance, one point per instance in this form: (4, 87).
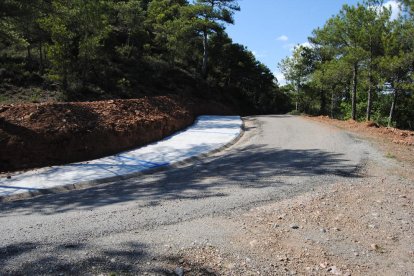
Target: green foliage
(360, 65)
(295, 113)
(129, 48)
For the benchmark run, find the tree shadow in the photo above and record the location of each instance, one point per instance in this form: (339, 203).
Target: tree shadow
(15, 250)
(79, 260)
(252, 167)
(128, 258)
(18, 130)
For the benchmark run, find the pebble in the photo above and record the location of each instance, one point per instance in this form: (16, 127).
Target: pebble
(334, 270)
(253, 243)
(179, 271)
(294, 226)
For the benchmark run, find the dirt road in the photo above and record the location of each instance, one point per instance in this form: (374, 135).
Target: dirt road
(291, 197)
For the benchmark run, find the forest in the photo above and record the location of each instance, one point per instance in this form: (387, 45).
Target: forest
(358, 66)
(102, 49)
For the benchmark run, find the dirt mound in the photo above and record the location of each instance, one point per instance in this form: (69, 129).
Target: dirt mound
(398, 136)
(34, 135)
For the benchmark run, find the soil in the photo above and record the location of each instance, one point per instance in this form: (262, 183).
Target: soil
(350, 229)
(44, 134)
(394, 135)
(361, 226)
(396, 143)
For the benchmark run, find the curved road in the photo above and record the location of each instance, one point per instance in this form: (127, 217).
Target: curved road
(134, 225)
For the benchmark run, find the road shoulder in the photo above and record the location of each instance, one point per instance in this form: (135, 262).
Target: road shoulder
(208, 135)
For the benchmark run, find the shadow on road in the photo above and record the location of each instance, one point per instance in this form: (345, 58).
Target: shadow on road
(69, 262)
(132, 259)
(252, 167)
(249, 167)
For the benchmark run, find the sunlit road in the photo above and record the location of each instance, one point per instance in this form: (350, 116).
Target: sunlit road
(134, 225)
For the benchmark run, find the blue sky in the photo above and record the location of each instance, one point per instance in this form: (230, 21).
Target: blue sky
(271, 28)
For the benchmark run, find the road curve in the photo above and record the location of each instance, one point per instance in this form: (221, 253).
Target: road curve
(132, 225)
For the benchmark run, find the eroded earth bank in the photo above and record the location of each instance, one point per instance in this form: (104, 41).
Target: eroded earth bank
(36, 135)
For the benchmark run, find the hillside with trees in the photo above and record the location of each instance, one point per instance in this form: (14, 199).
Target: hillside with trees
(56, 50)
(358, 66)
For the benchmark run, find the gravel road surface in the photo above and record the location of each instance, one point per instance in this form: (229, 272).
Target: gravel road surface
(138, 225)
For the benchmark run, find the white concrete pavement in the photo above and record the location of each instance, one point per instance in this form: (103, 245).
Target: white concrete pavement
(207, 134)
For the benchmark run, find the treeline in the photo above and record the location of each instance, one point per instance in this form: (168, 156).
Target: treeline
(359, 65)
(129, 48)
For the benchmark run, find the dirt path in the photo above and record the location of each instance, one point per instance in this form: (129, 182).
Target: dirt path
(291, 197)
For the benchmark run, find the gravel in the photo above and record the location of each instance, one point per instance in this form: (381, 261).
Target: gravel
(188, 211)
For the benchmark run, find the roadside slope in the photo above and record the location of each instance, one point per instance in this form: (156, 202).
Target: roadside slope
(37, 135)
(207, 135)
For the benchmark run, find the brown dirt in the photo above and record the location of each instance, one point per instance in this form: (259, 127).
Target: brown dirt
(361, 226)
(397, 136)
(396, 143)
(349, 229)
(34, 135)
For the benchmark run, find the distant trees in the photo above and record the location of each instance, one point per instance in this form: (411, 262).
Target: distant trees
(128, 48)
(209, 16)
(363, 60)
(397, 67)
(297, 70)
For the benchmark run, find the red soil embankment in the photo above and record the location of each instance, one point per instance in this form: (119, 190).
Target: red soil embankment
(35, 135)
(397, 136)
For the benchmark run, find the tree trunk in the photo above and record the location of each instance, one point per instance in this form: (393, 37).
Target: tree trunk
(323, 103)
(29, 53)
(205, 54)
(297, 96)
(369, 103)
(332, 103)
(41, 67)
(392, 111)
(44, 54)
(65, 81)
(354, 90)
(65, 78)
